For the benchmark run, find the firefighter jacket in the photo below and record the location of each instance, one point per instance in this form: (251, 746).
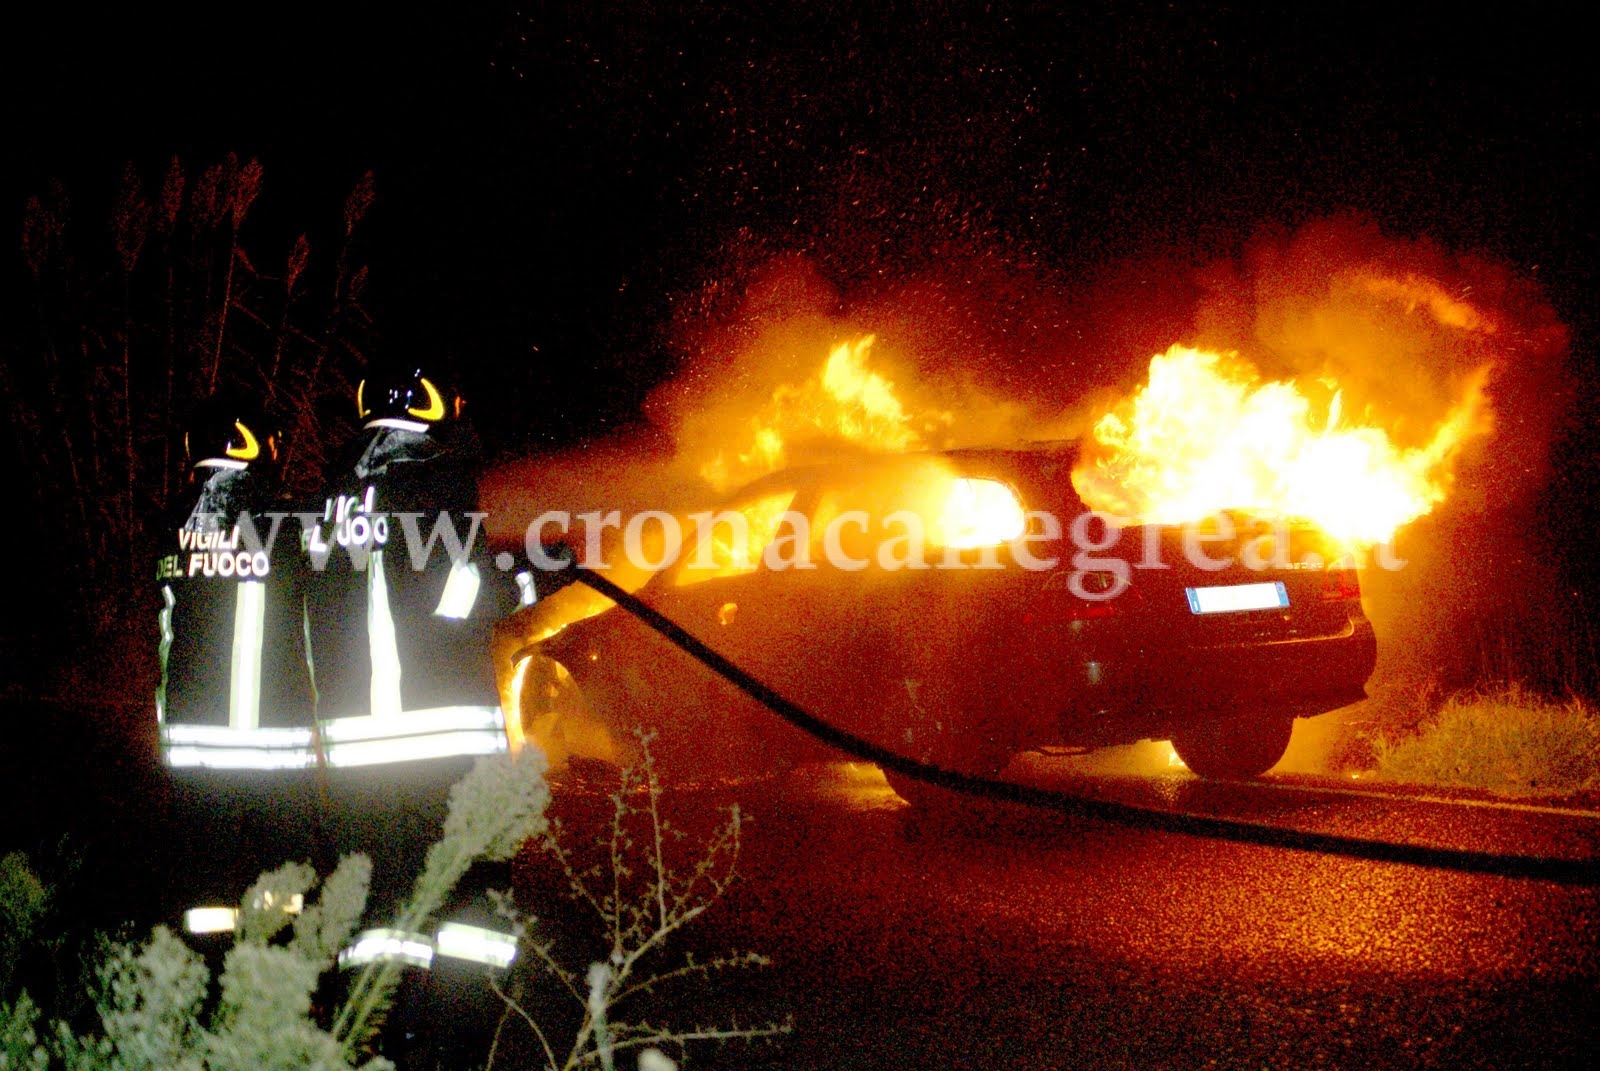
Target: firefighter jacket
(403, 597)
(234, 690)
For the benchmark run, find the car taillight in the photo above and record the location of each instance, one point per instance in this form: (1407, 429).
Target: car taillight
(1340, 585)
(980, 513)
(1059, 605)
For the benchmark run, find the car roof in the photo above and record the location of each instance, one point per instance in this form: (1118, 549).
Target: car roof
(995, 460)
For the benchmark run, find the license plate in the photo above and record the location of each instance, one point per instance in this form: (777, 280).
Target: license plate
(1234, 598)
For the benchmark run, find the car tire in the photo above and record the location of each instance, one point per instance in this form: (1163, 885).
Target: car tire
(1233, 748)
(927, 729)
(928, 798)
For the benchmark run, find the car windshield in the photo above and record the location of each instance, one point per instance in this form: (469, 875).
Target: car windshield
(730, 541)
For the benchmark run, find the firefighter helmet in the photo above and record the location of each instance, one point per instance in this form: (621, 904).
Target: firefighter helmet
(411, 392)
(224, 432)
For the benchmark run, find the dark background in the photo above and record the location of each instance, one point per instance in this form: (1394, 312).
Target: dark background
(550, 176)
(559, 185)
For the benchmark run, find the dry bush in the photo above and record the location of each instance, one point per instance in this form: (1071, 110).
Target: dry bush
(160, 1009)
(1506, 740)
(109, 343)
(641, 895)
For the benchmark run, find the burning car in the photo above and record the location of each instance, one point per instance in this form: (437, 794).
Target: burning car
(959, 608)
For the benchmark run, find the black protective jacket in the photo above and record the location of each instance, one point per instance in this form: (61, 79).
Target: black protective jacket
(401, 622)
(234, 691)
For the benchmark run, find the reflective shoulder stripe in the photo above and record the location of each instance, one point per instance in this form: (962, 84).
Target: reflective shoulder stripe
(460, 592)
(382, 645)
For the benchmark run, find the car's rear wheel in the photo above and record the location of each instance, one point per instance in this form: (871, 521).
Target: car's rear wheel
(1232, 748)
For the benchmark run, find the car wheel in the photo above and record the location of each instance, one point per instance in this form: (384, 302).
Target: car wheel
(556, 717)
(1233, 748)
(926, 728)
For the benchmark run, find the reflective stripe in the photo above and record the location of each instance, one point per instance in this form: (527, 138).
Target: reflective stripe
(249, 625)
(164, 618)
(227, 736)
(373, 945)
(528, 594)
(447, 745)
(413, 723)
(207, 758)
(210, 919)
(293, 904)
(381, 642)
(222, 463)
(200, 920)
(476, 944)
(398, 424)
(438, 732)
(460, 592)
(221, 747)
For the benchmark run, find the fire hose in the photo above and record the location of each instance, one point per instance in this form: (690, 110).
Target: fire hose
(1581, 872)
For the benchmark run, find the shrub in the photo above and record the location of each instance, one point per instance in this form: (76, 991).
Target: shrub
(159, 1008)
(1506, 740)
(640, 894)
(23, 900)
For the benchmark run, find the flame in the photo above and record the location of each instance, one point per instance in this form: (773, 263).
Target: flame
(979, 513)
(1414, 290)
(1205, 434)
(845, 401)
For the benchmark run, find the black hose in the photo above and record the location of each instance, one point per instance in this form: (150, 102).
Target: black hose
(1561, 871)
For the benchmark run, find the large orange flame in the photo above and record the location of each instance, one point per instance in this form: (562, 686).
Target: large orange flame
(1205, 433)
(845, 402)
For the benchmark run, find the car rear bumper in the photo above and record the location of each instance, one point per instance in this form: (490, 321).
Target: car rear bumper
(1148, 693)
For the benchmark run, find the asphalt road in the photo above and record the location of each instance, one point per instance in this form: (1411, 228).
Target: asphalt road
(1004, 937)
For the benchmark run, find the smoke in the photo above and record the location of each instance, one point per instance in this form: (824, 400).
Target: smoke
(1401, 325)
(761, 387)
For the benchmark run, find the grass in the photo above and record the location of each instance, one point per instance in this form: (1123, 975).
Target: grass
(1507, 740)
(648, 885)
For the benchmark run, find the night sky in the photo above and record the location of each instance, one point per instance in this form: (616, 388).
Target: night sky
(551, 177)
(559, 185)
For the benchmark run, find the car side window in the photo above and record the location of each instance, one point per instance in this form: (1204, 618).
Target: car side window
(912, 485)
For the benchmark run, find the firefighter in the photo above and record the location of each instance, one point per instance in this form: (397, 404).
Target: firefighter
(405, 591)
(318, 694)
(403, 595)
(234, 701)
